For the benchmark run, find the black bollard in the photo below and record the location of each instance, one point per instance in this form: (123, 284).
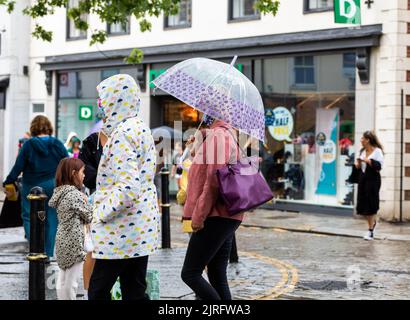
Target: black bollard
(37, 256)
(165, 208)
(233, 256)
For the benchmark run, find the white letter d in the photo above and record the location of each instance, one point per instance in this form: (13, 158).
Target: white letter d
(353, 9)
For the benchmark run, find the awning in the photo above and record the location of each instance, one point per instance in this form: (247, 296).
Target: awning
(275, 44)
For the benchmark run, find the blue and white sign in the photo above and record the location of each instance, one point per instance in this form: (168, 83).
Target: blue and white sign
(282, 126)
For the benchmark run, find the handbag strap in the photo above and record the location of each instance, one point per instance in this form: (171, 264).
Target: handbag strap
(237, 142)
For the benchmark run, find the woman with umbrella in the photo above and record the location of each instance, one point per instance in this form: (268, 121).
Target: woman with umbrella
(228, 100)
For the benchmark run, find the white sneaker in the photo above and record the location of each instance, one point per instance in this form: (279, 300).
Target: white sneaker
(369, 236)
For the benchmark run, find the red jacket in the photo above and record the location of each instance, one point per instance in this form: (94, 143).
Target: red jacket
(218, 149)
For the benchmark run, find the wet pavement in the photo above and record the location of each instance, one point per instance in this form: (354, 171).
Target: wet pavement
(253, 277)
(281, 256)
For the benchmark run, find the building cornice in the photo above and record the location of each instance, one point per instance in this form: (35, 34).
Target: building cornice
(286, 43)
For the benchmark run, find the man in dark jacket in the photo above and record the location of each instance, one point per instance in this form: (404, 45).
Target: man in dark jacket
(90, 154)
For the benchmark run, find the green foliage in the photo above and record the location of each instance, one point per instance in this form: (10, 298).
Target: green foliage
(98, 36)
(9, 4)
(267, 6)
(135, 57)
(40, 33)
(112, 11)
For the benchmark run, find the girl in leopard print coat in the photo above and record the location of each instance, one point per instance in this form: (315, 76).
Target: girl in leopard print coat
(73, 212)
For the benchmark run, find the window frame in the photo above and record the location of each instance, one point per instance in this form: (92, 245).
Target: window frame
(180, 26)
(231, 19)
(303, 86)
(306, 9)
(122, 33)
(68, 29)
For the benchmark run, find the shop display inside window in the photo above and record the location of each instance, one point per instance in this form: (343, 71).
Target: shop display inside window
(307, 156)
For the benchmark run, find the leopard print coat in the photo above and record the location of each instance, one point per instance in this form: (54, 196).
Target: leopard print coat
(72, 212)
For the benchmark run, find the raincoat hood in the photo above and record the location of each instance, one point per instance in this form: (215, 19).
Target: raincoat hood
(68, 141)
(43, 147)
(120, 100)
(59, 193)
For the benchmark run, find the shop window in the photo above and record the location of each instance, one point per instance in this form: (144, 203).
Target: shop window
(87, 82)
(109, 73)
(309, 147)
(243, 10)
(74, 33)
(349, 68)
(2, 99)
(318, 5)
(67, 84)
(304, 71)
(38, 107)
(118, 28)
(183, 19)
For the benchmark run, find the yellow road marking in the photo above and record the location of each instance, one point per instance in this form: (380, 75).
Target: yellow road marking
(287, 283)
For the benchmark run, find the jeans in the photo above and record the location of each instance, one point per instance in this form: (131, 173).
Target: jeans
(132, 273)
(210, 247)
(51, 215)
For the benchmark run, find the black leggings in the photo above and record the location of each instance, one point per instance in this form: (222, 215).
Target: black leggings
(132, 273)
(210, 247)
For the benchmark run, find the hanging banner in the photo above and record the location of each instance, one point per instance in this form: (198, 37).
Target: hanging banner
(281, 121)
(327, 123)
(347, 11)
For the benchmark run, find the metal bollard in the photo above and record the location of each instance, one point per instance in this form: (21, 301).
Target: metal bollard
(233, 256)
(37, 256)
(165, 208)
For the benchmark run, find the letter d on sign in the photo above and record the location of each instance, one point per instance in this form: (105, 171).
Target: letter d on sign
(347, 11)
(86, 112)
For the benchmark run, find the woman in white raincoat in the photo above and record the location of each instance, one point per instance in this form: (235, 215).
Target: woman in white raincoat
(126, 216)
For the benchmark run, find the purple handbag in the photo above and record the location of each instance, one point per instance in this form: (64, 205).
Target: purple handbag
(242, 186)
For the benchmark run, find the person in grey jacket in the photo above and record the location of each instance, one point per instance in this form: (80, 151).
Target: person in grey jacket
(73, 212)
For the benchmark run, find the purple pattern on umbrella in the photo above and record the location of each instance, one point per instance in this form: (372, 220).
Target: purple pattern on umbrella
(213, 103)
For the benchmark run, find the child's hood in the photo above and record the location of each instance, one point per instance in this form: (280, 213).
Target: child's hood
(59, 194)
(120, 100)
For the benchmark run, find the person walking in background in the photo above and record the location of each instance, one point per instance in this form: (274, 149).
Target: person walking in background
(125, 214)
(68, 143)
(176, 163)
(38, 160)
(74, 150)
(73, 213)
(90, 154)
(213, 227)
(25, 138)
(369, 164)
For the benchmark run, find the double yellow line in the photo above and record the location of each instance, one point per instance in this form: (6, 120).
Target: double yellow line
(287, 283)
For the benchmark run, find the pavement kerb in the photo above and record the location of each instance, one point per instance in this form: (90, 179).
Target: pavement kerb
(311, 231)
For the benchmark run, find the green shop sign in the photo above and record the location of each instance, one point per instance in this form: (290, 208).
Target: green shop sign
(86, 113)
(347, 11)
(155, 73)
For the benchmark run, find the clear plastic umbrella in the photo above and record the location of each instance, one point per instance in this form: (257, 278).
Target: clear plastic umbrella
(218, 90)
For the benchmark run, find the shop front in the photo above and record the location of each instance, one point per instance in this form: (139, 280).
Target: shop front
(309, 87)
(310, 121)
(310, 118)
